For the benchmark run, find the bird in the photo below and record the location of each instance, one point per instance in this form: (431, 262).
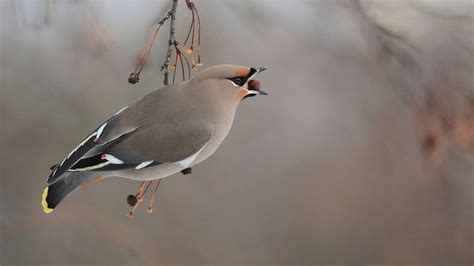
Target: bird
(165, 132)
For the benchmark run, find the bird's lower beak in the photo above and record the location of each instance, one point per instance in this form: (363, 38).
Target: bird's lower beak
(257, 92)
(253, 87)
(252, 93)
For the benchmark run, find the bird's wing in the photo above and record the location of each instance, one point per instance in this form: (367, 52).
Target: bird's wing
(158, 128)
(150, 145)
(93, 143)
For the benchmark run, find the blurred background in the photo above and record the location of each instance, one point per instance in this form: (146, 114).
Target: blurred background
(362, 154)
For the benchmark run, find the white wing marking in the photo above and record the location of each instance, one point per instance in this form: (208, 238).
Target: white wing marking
(89, 167)
(78, 146)
(121, 110)
(144, 164)
(99, 131)
(112, 159)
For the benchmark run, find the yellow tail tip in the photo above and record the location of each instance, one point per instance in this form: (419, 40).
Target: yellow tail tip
(46, 209)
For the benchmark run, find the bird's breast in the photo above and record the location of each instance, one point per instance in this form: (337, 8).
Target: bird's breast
(219, 133)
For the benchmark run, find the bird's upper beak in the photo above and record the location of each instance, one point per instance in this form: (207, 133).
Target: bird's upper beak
(258, 69)
(253, 85)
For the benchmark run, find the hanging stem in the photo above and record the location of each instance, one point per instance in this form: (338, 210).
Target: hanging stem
(150, 205)
(144, 55)
(199, 63)
(187, 63)
(191, 29)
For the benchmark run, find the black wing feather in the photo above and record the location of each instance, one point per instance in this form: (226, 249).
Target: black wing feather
(75, 156)
(84, 148)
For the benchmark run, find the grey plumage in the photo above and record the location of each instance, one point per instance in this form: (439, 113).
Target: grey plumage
(162, 133)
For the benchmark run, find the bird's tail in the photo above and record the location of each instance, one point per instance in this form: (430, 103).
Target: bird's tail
(56, 192)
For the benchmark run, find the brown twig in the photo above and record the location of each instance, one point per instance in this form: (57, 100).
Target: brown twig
(192, 29)
(171, 42)
(199, 63)
(135, 76)
(382, 33)
(179, 56)
(150, 205)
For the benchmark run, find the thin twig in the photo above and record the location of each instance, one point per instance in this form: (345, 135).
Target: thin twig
(150, 205)
(171, 42)
(191, 29)
(175, 66)
(181, 60)
(199, 63)
(135, 76)
(178, 50)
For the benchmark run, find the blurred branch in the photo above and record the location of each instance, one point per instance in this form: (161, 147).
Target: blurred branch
(387, 40)
(442, 113)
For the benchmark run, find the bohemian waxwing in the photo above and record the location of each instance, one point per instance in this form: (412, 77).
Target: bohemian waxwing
(165, 132)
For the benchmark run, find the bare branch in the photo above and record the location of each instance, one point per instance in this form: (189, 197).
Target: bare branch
(135, 76)
(386, 39)
(171, 42)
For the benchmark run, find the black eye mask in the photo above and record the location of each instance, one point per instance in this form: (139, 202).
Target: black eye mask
(239, 81)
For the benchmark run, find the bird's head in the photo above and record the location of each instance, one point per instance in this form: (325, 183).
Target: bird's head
(233, 81)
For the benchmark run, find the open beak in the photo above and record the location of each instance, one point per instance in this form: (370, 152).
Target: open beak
(253, 86)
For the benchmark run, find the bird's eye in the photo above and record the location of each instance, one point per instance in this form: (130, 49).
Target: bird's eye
(238, 81)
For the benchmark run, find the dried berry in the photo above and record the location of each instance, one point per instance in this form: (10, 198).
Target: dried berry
(132, 200)
(133, 78)
(254, 85)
